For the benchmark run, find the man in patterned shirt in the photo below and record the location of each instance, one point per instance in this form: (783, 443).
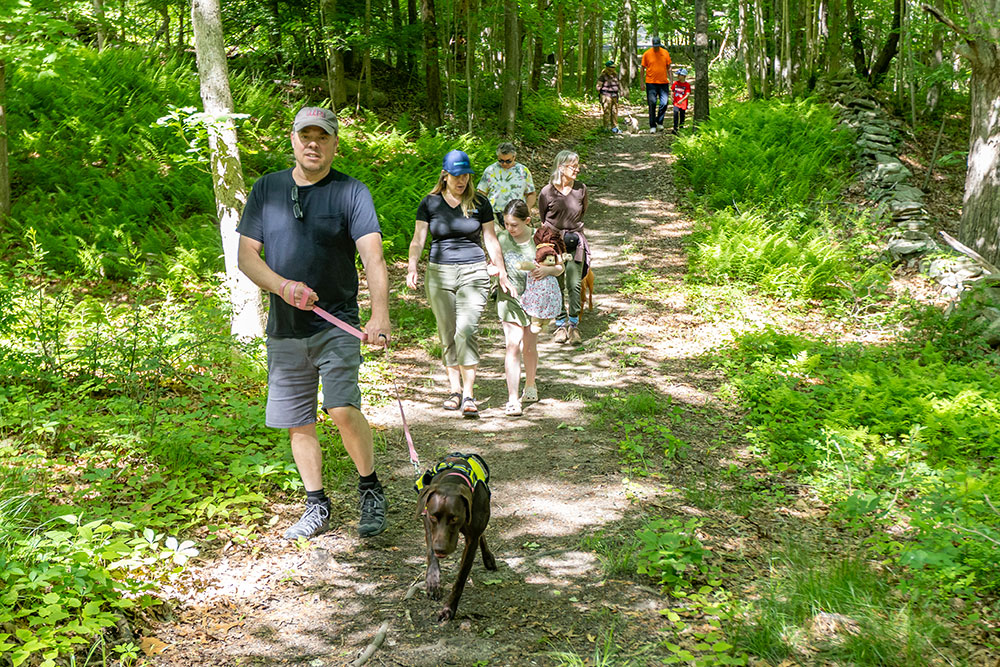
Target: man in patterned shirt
(505, 180)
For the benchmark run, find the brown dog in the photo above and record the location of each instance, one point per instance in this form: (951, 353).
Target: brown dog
(455, 498)
(587, 289)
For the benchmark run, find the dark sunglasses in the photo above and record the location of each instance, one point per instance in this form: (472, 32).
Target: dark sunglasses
(296, 207)
(510, 161)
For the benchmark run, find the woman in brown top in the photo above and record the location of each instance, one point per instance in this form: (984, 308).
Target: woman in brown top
(562, 204)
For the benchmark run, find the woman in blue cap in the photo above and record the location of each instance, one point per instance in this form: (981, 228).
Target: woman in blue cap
(460, 222)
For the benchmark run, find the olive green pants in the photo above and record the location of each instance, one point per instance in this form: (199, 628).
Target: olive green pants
(457, 295)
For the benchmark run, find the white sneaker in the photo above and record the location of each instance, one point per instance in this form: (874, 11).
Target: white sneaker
(652, 130)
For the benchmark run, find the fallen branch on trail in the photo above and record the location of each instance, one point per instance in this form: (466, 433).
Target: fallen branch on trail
(370, 651)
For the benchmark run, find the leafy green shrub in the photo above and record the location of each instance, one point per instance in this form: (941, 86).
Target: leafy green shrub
(783, 153)
(671, 552)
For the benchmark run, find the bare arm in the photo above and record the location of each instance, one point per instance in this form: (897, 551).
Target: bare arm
(530, 199)
(370, 249)
(416, 248)
(253, 265)
(496, 257)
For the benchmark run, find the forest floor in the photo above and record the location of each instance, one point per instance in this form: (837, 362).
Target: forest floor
(559, 486)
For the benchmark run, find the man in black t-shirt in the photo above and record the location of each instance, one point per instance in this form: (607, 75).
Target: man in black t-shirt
(310, 221)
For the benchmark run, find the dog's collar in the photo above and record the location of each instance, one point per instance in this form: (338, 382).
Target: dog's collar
(470, 467)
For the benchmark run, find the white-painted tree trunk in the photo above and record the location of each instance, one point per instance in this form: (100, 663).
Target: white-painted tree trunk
(227, 172)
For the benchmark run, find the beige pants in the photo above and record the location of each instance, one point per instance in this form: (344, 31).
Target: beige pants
(457, 294)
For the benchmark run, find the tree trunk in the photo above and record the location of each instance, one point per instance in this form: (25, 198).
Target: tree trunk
(835, 38)
(102, 26)
(560, 52)
(397, 28)
(432, 70)
(5, 199)
(888, 51)
(470, 63)
(511, 68)
(760, 49)
(539, 50)
(937, 59)
(227, 172)
(857, 45)
(581, 19)
(700, 61)
(336, 86)
(745, 49)
(411, 51)
(980, 226)
(593, 50)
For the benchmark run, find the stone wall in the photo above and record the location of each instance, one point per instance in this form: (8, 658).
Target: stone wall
(973, 285)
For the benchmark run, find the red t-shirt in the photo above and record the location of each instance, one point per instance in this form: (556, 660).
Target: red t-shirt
(681, 89)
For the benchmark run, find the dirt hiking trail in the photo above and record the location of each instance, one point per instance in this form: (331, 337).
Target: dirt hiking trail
(556, 481)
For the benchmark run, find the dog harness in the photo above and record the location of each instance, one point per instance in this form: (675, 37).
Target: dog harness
(470, 467)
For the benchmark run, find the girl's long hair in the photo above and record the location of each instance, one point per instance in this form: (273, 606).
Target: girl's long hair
(561, 158)
(468, 197)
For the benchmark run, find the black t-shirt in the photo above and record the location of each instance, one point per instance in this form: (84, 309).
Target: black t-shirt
(319, 250)
(455, 237)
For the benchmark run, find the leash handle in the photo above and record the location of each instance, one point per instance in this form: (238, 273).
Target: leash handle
(363, 337)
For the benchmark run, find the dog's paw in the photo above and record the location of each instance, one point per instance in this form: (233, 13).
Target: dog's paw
(446, 615)
(434, 585)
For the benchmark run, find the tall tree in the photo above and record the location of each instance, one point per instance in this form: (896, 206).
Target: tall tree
(980, 225)
(336, 84)
(5, 204)
(227, 171)
(538, 47)
(432, 68)
(511, 67)
(700, 61)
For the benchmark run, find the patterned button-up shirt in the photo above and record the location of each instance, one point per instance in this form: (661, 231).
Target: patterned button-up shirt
(502, 185)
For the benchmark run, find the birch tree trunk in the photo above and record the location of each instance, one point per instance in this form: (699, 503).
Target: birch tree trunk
(432, 69)
(102, 25)
(247, 320)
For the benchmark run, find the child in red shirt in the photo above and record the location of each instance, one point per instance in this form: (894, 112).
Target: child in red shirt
(680, 92)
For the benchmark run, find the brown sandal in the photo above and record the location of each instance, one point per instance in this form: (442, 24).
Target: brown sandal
(453, 402)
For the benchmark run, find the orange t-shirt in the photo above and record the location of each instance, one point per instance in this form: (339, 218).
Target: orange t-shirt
(657, 63)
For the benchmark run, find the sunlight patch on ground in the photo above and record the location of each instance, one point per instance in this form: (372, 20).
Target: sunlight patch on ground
(570, 564)
(553, 509)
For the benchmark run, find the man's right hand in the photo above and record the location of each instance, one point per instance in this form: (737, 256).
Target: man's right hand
(298, 294)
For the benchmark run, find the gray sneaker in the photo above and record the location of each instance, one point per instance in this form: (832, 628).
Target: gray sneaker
(316, 520)
(373, 507)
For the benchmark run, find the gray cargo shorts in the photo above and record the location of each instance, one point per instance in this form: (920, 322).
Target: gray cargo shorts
(295, 367)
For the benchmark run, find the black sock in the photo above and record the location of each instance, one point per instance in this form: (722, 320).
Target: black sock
(316, 497)
(368, 481)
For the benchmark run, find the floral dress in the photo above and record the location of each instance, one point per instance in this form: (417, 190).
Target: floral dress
(542, 298)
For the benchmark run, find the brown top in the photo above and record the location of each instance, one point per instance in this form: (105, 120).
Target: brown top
(565, 213)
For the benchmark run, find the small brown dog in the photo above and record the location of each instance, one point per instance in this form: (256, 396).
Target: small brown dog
(454, 498)
(587, 289)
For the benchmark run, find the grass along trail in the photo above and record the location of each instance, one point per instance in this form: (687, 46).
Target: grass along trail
(627, 430)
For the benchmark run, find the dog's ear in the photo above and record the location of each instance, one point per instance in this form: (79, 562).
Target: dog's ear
(425, 497)
(466, 494)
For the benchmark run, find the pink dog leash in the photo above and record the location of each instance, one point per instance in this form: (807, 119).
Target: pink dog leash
(363, 337)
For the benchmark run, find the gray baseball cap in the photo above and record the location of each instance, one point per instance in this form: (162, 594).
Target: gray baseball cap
(322, 118)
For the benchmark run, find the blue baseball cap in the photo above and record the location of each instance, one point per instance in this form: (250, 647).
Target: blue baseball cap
(456, 163)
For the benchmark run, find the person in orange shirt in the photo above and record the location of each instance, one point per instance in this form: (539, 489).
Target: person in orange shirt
(656, 63)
